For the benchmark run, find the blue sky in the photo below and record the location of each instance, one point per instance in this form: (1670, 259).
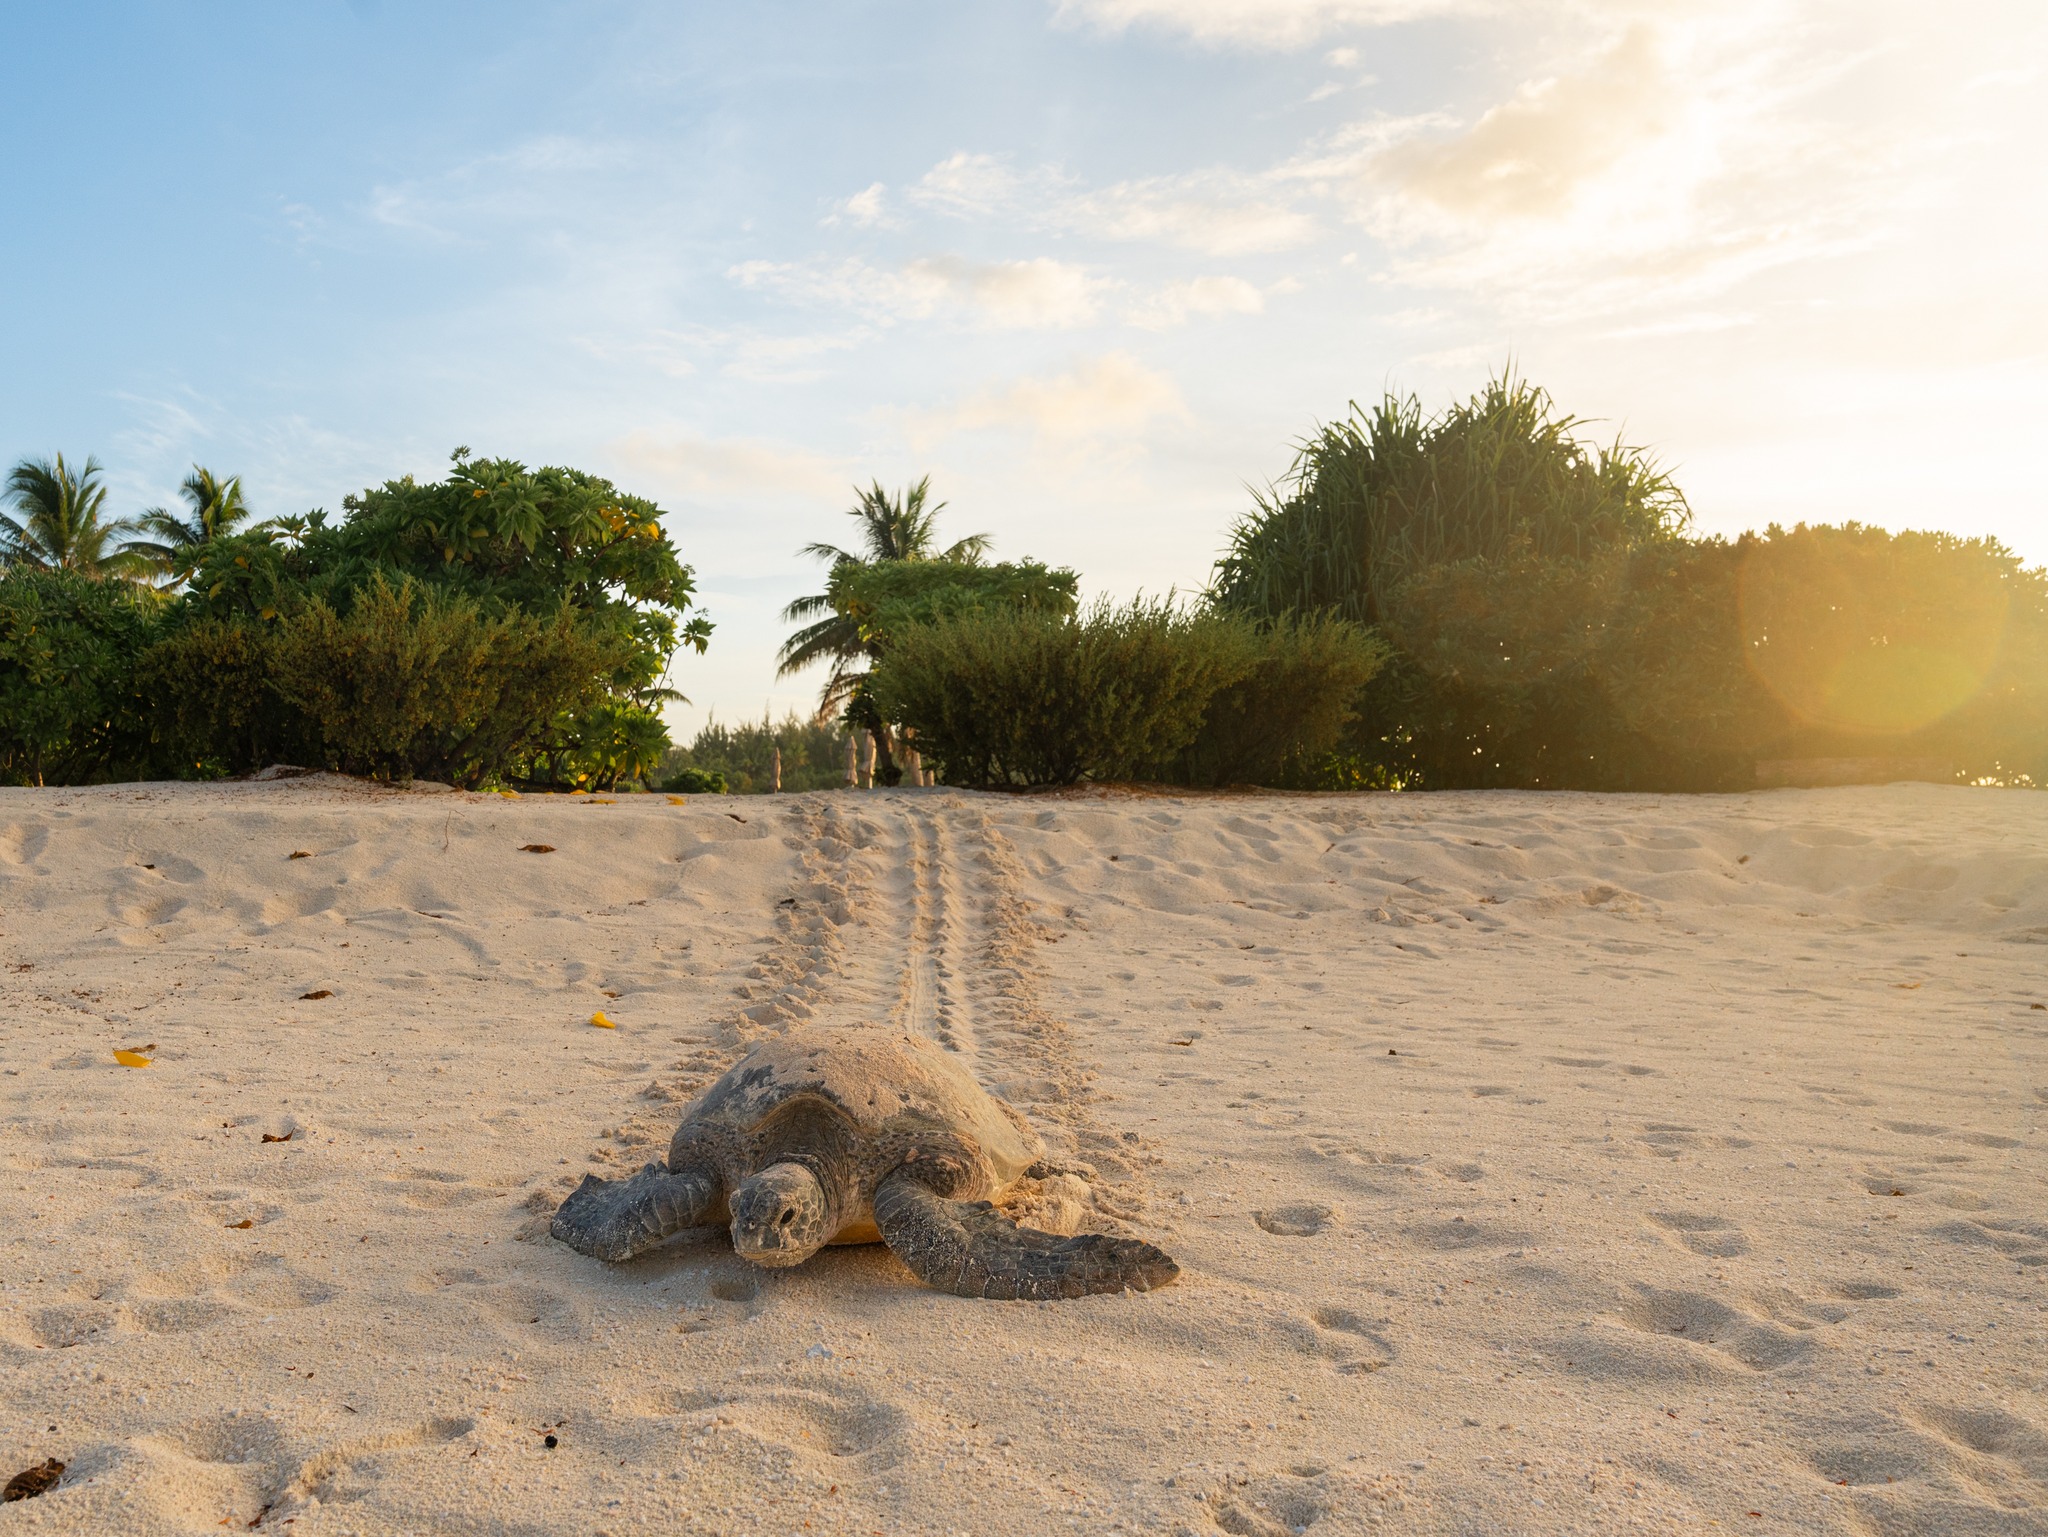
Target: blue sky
(1093, 264)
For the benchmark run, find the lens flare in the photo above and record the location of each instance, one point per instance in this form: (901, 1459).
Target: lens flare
(1850, 633)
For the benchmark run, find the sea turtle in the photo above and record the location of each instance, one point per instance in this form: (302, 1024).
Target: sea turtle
(854, 1136)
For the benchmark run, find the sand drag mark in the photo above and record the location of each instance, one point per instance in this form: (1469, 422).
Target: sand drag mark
(1627, 1163)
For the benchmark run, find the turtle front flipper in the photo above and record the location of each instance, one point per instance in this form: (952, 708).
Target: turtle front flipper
(615, 1220)
(970, 1249)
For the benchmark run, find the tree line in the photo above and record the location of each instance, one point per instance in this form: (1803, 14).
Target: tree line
(1477, 598)
(1473, 599)
(500, 624)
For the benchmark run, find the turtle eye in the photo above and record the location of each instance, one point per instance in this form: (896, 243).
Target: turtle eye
(788, 1216)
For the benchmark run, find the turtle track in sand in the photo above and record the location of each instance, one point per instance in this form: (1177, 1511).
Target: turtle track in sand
(907, 914)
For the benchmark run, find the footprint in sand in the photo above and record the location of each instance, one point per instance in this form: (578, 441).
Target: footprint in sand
(1714, 1237)
(1459, 1234)
(435, 1188)
(1700, 1320)
(2026, 1242)
(179, 1315)
(1303, 1220)
(1862, 1291)
(1993, 1434)
(1891, 1455)
(273, 1286)
(1354, 1342)
(1273, 1504)
(72, 1324)
(828, 1425)
(351, 1469)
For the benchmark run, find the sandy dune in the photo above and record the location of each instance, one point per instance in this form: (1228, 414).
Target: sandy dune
(1535, 1163)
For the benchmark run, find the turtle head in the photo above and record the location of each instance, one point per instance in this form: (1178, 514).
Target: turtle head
(780, 1216)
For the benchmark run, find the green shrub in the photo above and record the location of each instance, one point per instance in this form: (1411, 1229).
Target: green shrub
(696, 781)
(68, 645)
(1006, 696)
(1281, 721)
(614, 740)
(415, 682)
(1386, 495)
(212, 708)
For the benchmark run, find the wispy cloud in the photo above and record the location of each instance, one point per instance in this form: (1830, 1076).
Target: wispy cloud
(1660, 154)
(1108, 396)
(1039, 293)
(1253, 23)
(1174, 304)
(1216, 211)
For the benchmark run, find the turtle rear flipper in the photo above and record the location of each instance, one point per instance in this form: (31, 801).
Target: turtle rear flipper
(615, 1220)
(970, 1249)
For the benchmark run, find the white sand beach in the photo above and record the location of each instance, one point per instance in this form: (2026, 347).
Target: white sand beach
(1535, 1163)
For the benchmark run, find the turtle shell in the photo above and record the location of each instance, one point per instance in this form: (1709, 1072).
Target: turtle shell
(853, 1104)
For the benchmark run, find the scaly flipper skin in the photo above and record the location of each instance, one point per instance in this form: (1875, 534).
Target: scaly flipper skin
(614, 1221)
(970, 1249)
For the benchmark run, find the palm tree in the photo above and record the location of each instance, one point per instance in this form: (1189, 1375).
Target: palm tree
(217, 510)
(62, 524)
(902, 528)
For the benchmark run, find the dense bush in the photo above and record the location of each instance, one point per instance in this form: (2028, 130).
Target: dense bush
(1386, 495)
(213, 708)
(878, 599)
(407, 681)
(1280, 722)
(500, 622)
(1553, 627)
(68, 647)
(1011, 696)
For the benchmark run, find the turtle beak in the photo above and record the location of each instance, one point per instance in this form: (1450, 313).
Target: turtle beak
(780, 1216)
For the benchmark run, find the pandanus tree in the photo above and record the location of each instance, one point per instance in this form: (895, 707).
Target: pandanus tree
(172, 542)
(59, 521)
(896, 528)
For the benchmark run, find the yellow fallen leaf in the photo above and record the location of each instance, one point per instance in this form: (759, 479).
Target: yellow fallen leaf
(132, 1058)
(600, 1021)
(675, 800)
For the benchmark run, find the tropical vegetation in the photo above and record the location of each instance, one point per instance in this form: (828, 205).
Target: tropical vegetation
(59, 521)
(499, 624)
(1482, 597)
(899, 579)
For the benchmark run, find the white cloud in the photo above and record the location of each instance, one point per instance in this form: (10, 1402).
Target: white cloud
(1217, 212)
(1532, 155)
(1018, 295)
(1112, 395)
(869, 207)
(970, 186)
(1253, 23)
(1176, 302)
